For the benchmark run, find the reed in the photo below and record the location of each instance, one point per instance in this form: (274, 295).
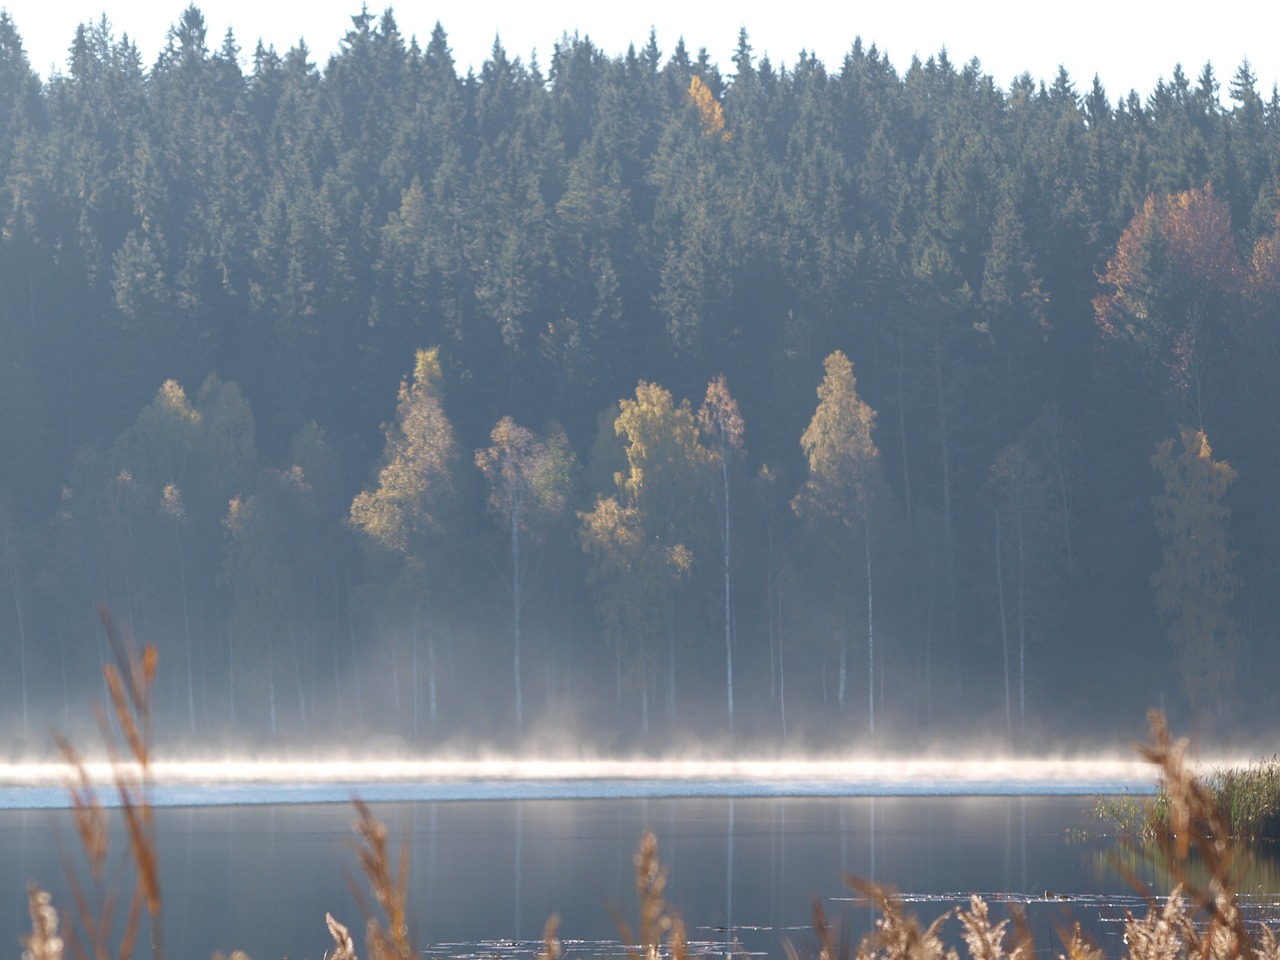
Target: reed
(127, 737)
(386, 937)
(1249, 797)
(1246, 801)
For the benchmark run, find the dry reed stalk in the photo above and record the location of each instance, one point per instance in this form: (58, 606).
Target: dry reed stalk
(657, 924)
(1078, 947)
(986, 940)
(1196, 825)
(651, 882)
(1266, 946)
(390, 890)
(44, 943)
(130, 680)
(897, 934)
(552, 948)
(344, 949)
(830, 945)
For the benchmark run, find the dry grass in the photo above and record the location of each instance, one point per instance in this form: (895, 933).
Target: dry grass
(661, 931)
(127, 736)
(386, 937)
(1199, 920)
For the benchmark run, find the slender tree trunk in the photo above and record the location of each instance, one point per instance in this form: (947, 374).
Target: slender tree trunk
(644, 705)
(844, 669)
(1055, 433)
(431, 677)
(302, 689)
(186, 624)
(413, 666)
(1022, 621)
(231, 676)
(355, 654)
(902, 433)
(782, 676)
(516, 613)
(671, 671)
(1004, 630)
(271, 690)
(871, 637)
(928, 667)
(22, 633)
(728, 583)
(944, 449)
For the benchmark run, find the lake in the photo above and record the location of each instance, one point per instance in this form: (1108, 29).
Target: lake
(260, 876)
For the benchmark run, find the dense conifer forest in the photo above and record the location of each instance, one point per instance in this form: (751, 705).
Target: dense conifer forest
(635, 398)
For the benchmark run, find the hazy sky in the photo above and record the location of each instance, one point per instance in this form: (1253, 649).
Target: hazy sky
(1127, 44)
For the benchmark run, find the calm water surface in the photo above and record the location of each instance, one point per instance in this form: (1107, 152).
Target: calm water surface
(260, 878)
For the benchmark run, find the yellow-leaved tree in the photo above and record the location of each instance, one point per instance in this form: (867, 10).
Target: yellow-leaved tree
(636, 538)
(843, 486)
(710, 113)
(404, 512)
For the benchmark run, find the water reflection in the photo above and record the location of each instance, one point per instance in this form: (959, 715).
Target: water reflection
(486, 873)
(1257, 875)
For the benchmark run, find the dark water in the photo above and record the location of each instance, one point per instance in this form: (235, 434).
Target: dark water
(260, 878)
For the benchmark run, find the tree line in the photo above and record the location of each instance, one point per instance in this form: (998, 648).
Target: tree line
(629, 396)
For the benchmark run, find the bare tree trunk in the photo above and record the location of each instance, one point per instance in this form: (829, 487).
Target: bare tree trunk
(355, 659)
(844, 669)
(671, 672)
(22, 633)
(413, 665)
(871, 637)
(902, 433)
(944, 441)
(782, 676)
(1022, 622)
(1055, 431)
(1004, 630)
(231, 676)
(271, 689)
(431, 676)
(516, 615)
(644, 706)
(728, 583)
(186, 624)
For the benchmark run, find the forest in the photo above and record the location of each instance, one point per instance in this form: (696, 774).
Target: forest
(631, 400)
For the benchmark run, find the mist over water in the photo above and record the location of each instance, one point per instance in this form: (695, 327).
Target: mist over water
(232, 781)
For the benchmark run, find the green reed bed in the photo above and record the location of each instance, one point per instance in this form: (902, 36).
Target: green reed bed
(1246, 801)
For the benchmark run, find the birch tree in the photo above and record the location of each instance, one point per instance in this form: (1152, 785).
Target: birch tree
(528, 486)
(721, 424)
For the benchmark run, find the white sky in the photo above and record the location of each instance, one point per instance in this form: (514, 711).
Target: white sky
(1128, 44)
